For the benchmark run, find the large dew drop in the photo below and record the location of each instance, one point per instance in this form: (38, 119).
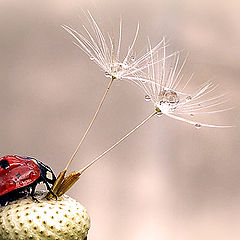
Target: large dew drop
(169, 98)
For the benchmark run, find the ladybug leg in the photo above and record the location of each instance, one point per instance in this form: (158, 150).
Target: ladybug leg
(32, 193)
(35, 199)
(49, 188)
(4, 202)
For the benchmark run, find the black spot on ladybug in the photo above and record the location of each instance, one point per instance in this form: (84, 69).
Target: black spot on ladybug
(19, 177)
(4, 164)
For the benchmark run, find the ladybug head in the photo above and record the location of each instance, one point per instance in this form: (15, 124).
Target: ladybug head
(46, 172)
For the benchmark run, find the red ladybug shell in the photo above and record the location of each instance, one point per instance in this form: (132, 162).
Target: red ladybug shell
(21, 172)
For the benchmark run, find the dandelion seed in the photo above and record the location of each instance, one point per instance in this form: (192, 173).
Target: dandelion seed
(166, 89)
(105, 51)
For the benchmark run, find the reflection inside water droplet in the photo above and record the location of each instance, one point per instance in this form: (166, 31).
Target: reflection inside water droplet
(188, 98)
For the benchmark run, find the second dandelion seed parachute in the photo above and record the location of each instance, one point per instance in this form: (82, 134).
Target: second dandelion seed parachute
(165, 87)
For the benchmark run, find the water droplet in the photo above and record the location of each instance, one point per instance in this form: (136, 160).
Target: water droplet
(143, 81)
(132, 58)
(107, 74)
(159, 114)
(91, 58)
(188, 98)
(10, 185)
(197, 125)
(191, 115)
(147, 98)
(169, 97)
(33, 175)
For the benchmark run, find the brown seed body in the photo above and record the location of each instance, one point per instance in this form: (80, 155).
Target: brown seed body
(26, 219)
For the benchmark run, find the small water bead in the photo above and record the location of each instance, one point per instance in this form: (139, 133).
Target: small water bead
(92, 58)
(159, 114)
(33, 175)
(132, 58)
(197, 125)
(191, 115)
(188, 98)
(10, 185)
(147, 98)
(107, 74)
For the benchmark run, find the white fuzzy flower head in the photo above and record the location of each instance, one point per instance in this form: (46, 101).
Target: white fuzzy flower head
(104, 50)
(165, 88)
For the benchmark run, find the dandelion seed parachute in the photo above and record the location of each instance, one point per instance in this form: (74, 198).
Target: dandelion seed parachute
(165, 88)
(105, 51)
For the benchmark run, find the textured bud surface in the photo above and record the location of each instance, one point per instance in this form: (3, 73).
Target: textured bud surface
(62, 219)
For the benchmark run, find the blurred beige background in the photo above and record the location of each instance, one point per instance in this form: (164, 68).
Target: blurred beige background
(168, 181)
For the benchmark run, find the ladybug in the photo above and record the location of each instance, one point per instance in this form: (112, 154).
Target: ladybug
(19, 175)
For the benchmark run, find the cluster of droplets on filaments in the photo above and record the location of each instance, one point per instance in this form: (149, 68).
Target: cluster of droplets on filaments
(117, 69)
